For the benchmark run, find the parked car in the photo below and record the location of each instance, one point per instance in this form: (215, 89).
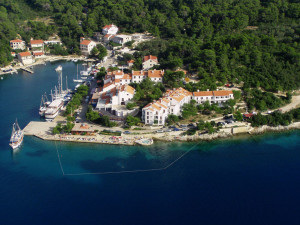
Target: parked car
(176, 129)
(159, 131)
(185, 129)
(126, 132)
(183, 125)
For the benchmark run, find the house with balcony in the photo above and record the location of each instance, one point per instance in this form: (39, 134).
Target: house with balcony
(86, 46)
(17, 44)
(37, 46)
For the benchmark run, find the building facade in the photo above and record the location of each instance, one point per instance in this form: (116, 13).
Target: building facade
(149, 61)
(37, 46)
(110, 29)
(17, 44)
(157, 112)
(86, 46)
(25, 58)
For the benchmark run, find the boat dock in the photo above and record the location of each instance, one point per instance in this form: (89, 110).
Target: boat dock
(28, 70)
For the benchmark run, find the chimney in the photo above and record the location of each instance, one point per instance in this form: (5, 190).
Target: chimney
(198, 90)
(207, 90)
(81, 39)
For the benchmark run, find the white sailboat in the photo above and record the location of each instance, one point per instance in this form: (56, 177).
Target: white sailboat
(77, 80)
(17, 135)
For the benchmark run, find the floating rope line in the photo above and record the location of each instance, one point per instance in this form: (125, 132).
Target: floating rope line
(123, 171)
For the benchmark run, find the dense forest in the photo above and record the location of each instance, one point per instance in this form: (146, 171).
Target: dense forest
(256, 42)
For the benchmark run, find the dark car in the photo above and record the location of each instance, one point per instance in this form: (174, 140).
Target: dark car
(126, 132)
(176, 129)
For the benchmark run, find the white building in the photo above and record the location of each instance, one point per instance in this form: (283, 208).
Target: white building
(155, 75)
(121, 39)
(17, 44)
(108, 37)
(37, 45)
(25, 58)
(113, 100)
(110, 29)
(119, 76)
(86, 46)
(149, 61)
(173, 101)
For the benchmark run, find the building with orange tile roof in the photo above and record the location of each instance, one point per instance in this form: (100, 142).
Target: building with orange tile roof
(86, 46)
(149, 61)
(110, 29)
(113, 100)
(25, 58)
(37, 46)
(173, 100)
(17, 44)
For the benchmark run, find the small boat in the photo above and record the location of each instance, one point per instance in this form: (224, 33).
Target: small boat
(75, 60)
(59, 68)
(17, 135)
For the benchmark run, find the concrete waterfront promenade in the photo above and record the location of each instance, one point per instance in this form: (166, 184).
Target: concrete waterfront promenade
(43, 130)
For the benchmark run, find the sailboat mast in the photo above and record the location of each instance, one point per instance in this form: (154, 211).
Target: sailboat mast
(67, 83)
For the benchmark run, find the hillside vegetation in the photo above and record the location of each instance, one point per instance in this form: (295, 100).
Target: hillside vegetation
(209, 37)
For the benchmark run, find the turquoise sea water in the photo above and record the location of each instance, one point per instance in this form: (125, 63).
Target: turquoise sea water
(246, 180)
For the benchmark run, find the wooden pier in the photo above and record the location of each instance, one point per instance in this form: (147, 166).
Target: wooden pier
(28, 70)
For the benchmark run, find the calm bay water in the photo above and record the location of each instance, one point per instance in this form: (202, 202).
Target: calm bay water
(252, 180)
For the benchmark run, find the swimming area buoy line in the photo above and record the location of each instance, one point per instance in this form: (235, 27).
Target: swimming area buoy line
(122, 171)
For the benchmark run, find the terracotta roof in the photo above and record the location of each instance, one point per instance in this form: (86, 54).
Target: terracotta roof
(16, 40)
(35, 42)
(109, 26)
(130, 89)
(155, 73)
(203, 93)
(161, 105)
(130, 61)
(38, 53)
(222, 93)
(23, 54)
(85, 42)
(138, 73)
(107, 35)
(147, 57)
(127, 76)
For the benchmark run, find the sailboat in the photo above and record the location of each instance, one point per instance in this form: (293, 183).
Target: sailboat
(77, 80)
(44, 104)
(17, 135)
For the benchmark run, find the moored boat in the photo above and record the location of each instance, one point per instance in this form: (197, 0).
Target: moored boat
(53, 109)
(17, 135)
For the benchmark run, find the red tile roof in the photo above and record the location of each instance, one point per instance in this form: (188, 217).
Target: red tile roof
(155, 73)
(222, 93)
(203, 93)
(35, 42)
(85, 42)
(23, 54)
(17, 40)
(147, 57)
(38, 53)
(108, 26)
